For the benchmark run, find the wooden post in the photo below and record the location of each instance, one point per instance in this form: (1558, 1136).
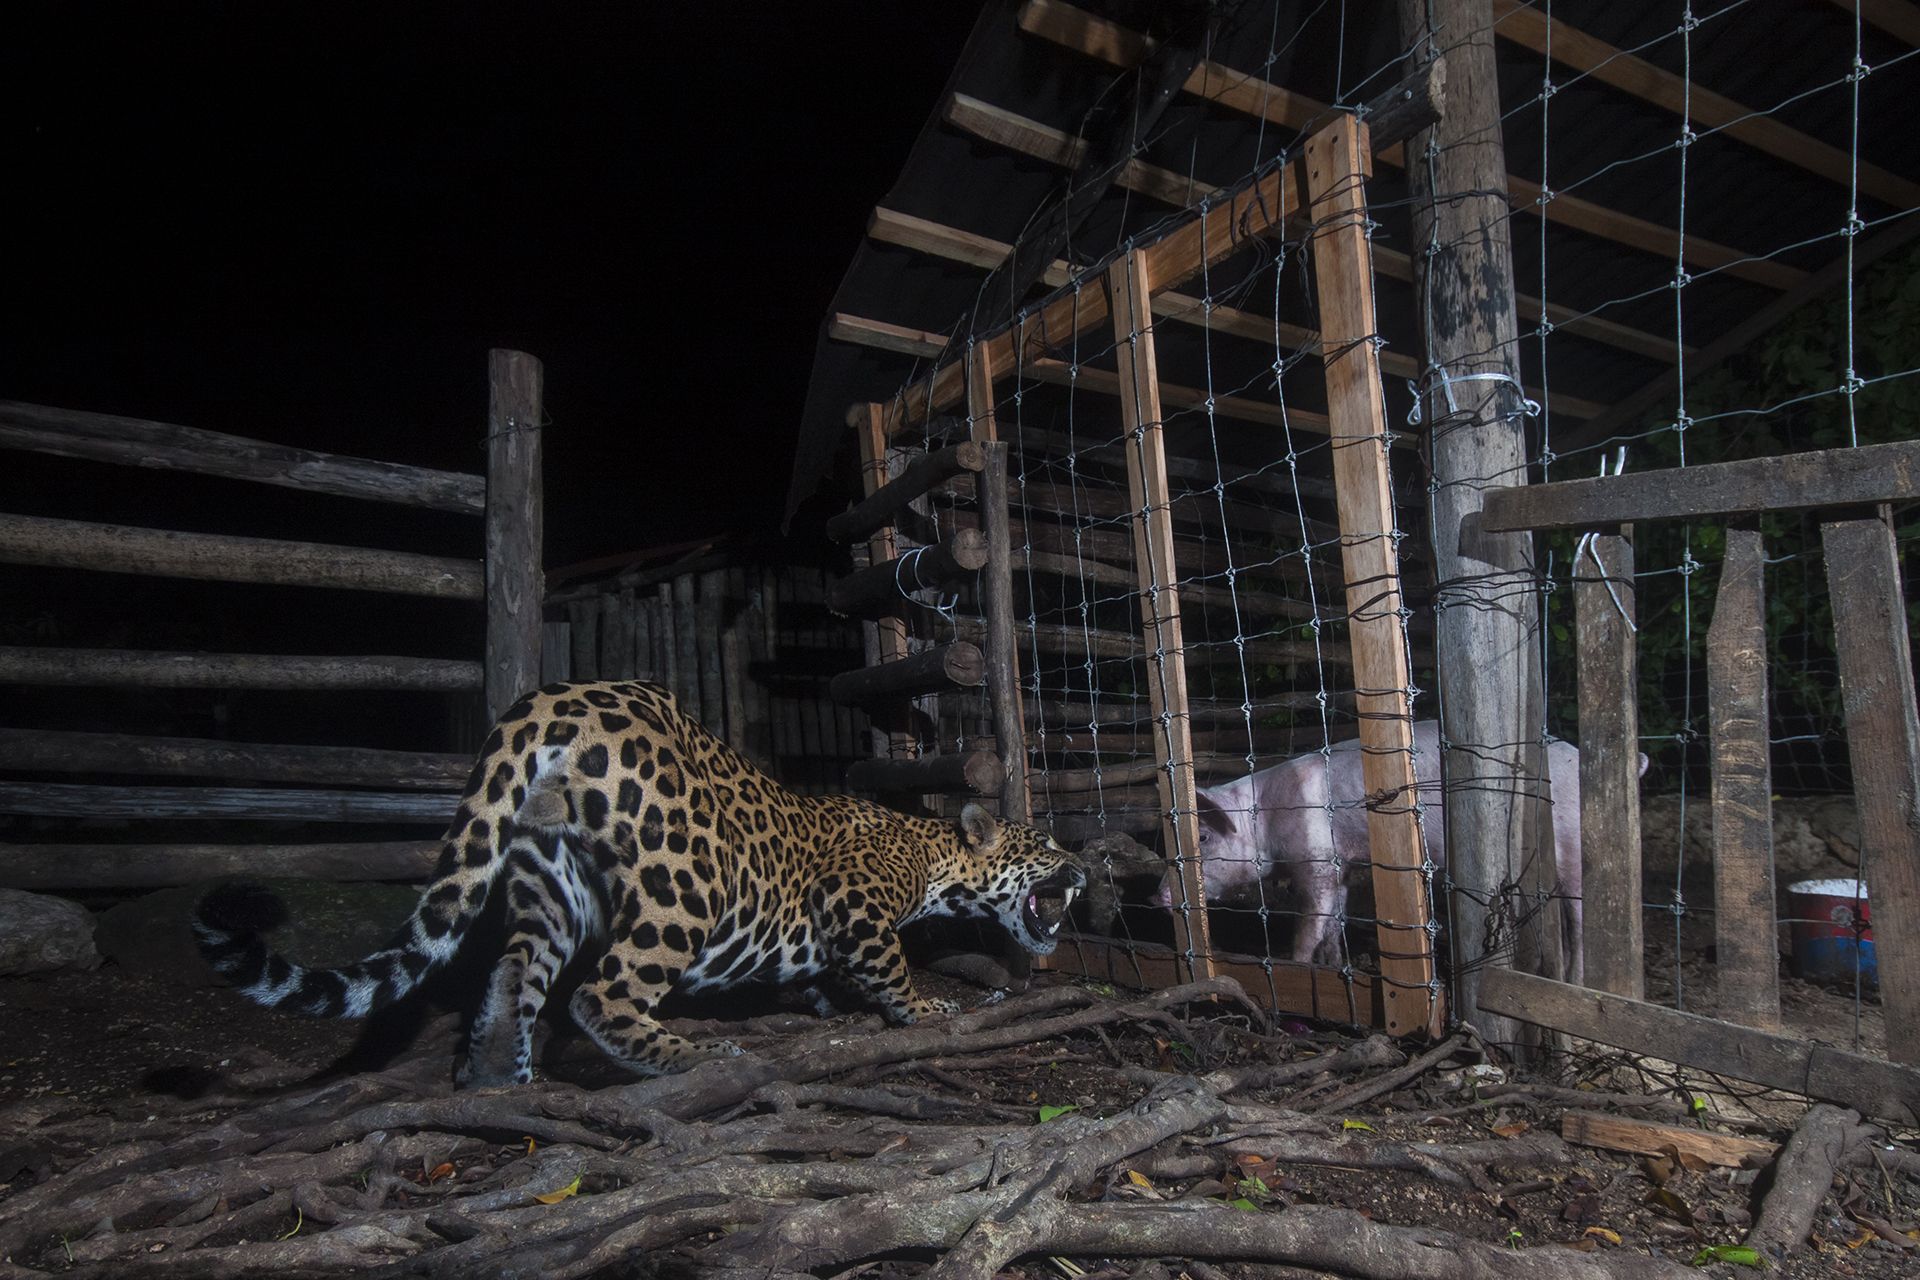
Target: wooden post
(1883, 739)
(516, 583)
(1131, 293)
(669, 641)
(584, 615)
(1338, 163)
(686, 647)
(1743, 907)
(1003, 657)
(713, 690)
(616, 636)
(1487, 625)
(890, 633)
(1613, 952)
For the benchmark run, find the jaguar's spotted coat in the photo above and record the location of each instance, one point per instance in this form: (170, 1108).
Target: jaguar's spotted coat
(619, 824)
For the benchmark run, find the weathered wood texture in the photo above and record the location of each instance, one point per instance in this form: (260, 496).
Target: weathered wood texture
(1748, 964)
(1487, 634)
(882, 589)
(1129, 290)
(100, 437)
(1883, 743)
(53, 751)
(78, 800)
(1792, 482)
(48, 867)
(1290, 988)
(889, 497)
(1609, 673)
(686, 646)
(1777, 1061)
(947, 666)
(977, 772)
(1003, 658)
(516, 582)
(146, 669)
(887, 640)
(1336, 169)
(1645, 1138)
(210, 557)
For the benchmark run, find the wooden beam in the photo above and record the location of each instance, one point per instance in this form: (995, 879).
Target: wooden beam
(1895, 17)
(516, 577)
(1338, 165)
(1748, 956)
(132, 668)
(959, 664)
(886, 498)
(1883, 743)
(1528, 26)
(1130, 286)
(1303, 990)
(1607, 657)
(1793, 1063)
(1644, 1137)
(81, 800)
(103, 437)
(879, 590)
(43, 868)
(1303, 114)
(974, 772)
(1791, 482)
(886, 643)
(60, 751)
(214, 557)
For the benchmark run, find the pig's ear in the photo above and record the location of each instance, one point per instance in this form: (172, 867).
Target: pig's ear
(1212, 816)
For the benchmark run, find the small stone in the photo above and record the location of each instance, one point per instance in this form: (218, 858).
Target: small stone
(39, 933)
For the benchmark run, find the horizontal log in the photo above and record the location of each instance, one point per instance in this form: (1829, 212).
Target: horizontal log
(1118, 709)
(55, 751)
(101, 437)
(1869, 1085)
(1077, 828)
(978, 772)
(1061, 638)
(1263, 604)
(920, 474)
(137, 668)
(882, 589)
(79, 800)
(1207, 764)
(1234, 741)
(113, 548)
(47, 867)
(960, 664)
(1794, 482)
(1280, 985)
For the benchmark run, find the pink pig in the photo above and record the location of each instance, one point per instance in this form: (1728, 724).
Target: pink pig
(1308, 815)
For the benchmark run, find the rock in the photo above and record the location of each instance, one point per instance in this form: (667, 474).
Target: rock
(1814, 837)
(39, 932)
(327, 924)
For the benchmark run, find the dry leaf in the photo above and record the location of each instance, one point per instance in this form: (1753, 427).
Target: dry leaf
(555, 1197)
(1601, 1233)
(1513, 1130)
(442, 1170)
(1139, 1179)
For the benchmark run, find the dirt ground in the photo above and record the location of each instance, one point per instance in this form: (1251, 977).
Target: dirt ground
(112, 1043)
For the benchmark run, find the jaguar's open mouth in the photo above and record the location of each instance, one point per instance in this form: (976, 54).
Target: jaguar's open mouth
(1047, 903)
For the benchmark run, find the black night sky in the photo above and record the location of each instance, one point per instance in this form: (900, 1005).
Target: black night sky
(306, 223)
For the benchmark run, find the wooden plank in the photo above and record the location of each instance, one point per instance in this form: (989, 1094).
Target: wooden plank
(211, 557)
(1883, 743)
(81, 800)
(1744, 917)
(1609, 673)
(556, 652)
(1253, 96)
(616, 636)
(644, 607)
(515, 523)
(686, 647)
(669, 677)
(890, 634)
(1337, 169)
(1595, 58)
(44, 868)
(1792, 482)
(1646, 1138)
(1130, 285)
(102, 437)
(139, 668)
(713, 689)
(584, 637)
(1793, 1063)
(60, 751)
(1278, 985)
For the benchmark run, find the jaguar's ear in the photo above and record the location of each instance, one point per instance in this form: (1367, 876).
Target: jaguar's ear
(978, 826)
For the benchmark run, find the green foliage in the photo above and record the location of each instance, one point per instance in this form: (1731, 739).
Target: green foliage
(1785, 395)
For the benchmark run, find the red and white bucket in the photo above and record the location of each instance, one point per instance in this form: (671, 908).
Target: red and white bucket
(1831, 931)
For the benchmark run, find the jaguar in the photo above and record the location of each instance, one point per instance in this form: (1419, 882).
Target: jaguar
(627, 836)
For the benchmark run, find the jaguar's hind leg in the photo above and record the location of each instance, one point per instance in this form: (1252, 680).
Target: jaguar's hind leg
(616, 1010)
(552, 909)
